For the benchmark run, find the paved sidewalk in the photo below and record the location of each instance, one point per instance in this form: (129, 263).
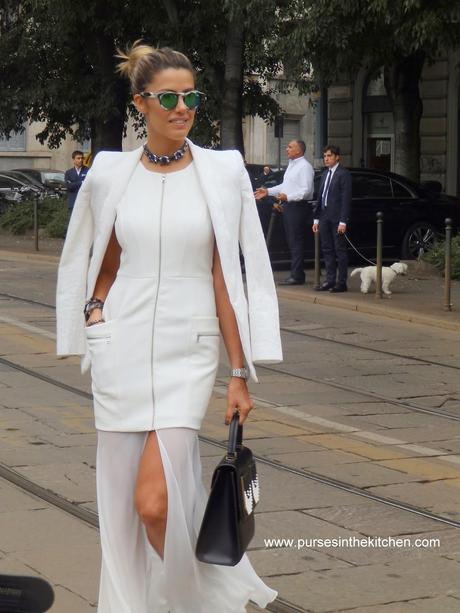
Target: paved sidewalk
(302, 423)
(417, 297)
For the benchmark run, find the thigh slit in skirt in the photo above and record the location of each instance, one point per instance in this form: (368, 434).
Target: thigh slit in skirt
(134, 579)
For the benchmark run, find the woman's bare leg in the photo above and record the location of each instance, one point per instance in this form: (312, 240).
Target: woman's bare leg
(151, 494)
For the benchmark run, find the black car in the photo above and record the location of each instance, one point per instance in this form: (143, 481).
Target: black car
(413, 217)
(14, 189)
(258, 179)
(46, 177)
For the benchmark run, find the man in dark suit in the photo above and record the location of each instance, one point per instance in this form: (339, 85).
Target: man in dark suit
(74, 177)
(331, 218)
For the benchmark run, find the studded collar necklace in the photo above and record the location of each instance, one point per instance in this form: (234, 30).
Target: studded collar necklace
(165, 159)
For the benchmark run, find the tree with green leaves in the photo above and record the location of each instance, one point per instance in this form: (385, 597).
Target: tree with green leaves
(58, 64)
(327, 41)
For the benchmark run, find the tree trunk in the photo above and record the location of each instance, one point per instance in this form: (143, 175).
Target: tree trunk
(231, 129)
(402, 84)
(107, 128)
(107, 135)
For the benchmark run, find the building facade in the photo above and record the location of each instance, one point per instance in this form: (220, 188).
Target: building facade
(23, 150)
(261, 146)
(360, 121)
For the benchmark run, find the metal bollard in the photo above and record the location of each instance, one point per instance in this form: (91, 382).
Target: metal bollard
(36, 221)
(378, 276)
(271, 226)
(317, 261)
(448, 265)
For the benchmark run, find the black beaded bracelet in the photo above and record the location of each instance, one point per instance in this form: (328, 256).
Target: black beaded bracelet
(93, 303)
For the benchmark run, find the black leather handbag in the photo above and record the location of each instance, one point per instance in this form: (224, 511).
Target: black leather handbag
(228, 521)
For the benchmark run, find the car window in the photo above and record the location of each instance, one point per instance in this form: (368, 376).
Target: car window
(276, 178)
(26, 178)
(399, 191)
(53, 176)
(370, 186)
(8, 183)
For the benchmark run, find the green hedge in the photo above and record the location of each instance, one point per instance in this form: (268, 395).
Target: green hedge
(436, 257)
(52, 217)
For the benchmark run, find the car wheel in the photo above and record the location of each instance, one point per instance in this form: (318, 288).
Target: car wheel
(419, 238)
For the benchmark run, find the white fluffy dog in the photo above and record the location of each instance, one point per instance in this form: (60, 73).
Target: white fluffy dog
(368, 275)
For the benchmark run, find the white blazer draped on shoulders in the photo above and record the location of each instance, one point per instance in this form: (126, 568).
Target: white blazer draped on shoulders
(235, 221)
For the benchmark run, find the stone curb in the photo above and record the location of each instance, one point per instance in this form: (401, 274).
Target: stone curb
(25, 256)
(337, 302)
(369, 309)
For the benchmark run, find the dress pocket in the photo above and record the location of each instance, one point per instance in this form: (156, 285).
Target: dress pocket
(205, 339)
(204, 361)
(99, 331)
(203, 327)
(101, 347)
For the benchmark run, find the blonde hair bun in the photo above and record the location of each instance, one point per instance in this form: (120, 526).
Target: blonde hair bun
(140, 63)
(130, 58)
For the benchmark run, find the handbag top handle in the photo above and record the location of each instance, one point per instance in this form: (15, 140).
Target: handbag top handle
(235, 436)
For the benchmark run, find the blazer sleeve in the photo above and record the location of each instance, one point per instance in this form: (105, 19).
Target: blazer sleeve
(262, 299)
(345, 193)
(72, 185)
(72, 274)
(317, 206)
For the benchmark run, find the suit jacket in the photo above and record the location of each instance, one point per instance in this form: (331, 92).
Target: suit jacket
(338, 198)
(229, 196)
(73, 182)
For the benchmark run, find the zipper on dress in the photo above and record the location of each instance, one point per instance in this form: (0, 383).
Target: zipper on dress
(163, 181)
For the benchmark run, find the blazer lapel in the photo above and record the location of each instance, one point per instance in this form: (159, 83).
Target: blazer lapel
(321, 186)
(215, 202)
(108, 212)
(211, 192)
(123, 175)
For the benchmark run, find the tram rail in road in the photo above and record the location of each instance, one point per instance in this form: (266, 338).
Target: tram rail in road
(90, 517)
(411, 406)
(309, 475)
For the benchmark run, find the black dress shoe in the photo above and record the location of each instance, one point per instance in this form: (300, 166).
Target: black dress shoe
(338, 289)
(291, 281)
(324, 287)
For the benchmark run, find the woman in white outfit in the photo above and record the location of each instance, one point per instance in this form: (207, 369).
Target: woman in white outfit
(163, 224)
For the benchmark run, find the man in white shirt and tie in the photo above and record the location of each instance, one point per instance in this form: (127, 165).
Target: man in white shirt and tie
(331, 218)
(293, 193)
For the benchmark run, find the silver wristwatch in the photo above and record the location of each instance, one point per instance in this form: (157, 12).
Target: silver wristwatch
(241, 373)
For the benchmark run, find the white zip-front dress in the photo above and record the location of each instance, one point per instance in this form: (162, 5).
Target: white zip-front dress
(153, 367)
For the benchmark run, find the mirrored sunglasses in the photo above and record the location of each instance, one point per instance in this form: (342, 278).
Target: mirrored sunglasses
(169, 100)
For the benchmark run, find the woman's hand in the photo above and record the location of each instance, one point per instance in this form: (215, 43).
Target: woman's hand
(238, 398)
(95, 317)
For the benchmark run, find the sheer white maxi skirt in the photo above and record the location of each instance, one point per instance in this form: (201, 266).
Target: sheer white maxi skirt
(134, 579)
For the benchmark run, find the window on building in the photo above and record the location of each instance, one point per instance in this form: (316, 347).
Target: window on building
(378, 124)
(379, 152)
(291, 131)
(15, 142)
(376, 85)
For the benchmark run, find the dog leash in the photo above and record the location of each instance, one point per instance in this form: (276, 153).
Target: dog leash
(358, 252)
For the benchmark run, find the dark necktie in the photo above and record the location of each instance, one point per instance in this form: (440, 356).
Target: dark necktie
(326, 189)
